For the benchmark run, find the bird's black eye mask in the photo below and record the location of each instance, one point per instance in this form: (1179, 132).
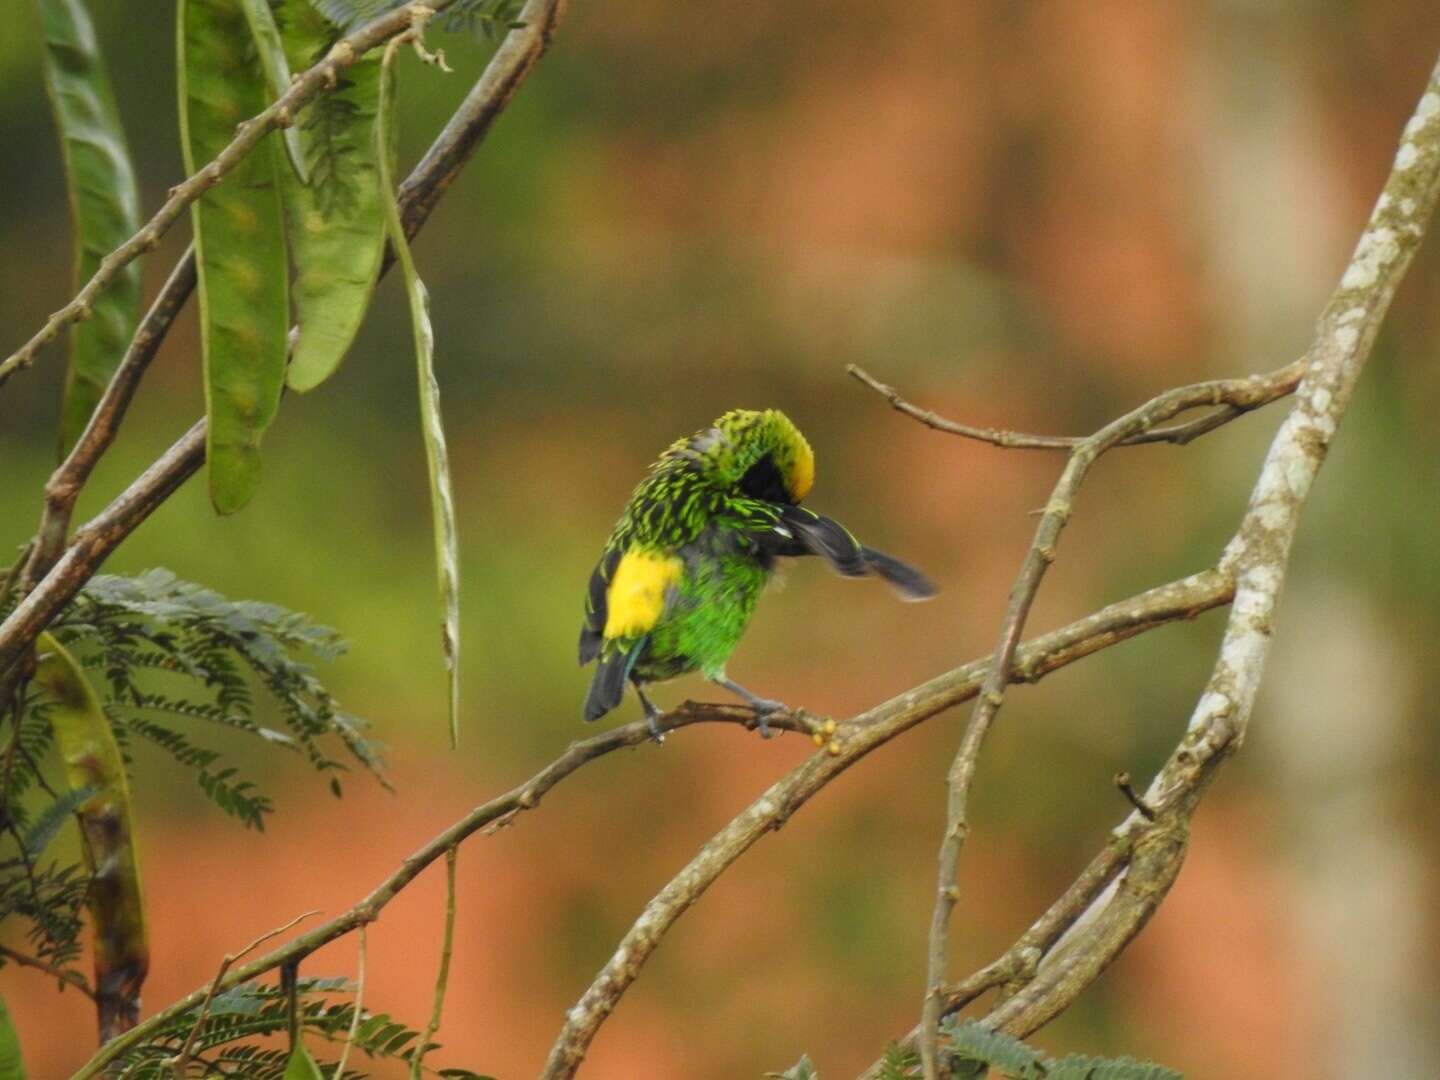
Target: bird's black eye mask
(763, 481)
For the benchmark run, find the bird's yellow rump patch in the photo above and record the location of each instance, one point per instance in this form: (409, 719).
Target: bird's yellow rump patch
(636, 597)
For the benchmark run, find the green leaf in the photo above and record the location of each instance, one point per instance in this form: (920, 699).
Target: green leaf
(11, 1065)
(442, 501)
(336, 222)
(301, 1065)
(273, 62)
(239, 243)
(975, 1045)
(103, 201)
(47, 823)
(93, 760)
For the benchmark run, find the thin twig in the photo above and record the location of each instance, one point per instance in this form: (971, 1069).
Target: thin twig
(67, 978)
(443, 977)
(322, 77)
(181, 1061)
(1241, 394)
(339, 1073)
(1177, 601)
(1276, 385)
(1122, 781)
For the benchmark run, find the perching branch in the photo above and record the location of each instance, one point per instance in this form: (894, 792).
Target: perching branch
(417, 197)
(1240, 396)
(489, 817)
(1179, 600)
(851, 741)
(305, 88)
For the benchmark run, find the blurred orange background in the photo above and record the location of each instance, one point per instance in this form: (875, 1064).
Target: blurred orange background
(1030, 215)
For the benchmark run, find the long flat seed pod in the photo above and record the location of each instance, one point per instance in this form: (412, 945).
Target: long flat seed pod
(336, 222)
(271, 54)
(117, 904)
(442, 499)
(239, 244)
(104, 202)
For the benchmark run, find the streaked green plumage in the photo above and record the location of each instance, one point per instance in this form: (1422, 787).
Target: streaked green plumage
(678, 579)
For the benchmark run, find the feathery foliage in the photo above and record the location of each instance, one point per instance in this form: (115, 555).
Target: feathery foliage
(974, 1050)
(225, 1043)
(489, 18)
(175, 653)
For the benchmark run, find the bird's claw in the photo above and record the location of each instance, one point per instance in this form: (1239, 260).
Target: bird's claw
(763, 708)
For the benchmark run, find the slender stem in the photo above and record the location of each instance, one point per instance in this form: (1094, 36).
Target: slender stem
(359, 1007)
(67, 978)
(181, 1061)
(1276, 386)
(443, 977)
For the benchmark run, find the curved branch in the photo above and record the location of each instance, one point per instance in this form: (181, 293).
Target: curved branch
(851, 741)
(490, 816)
(1240, 395)
(1277, 385)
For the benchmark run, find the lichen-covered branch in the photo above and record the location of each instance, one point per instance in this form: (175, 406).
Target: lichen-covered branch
(1239, 395)
(1256, 560)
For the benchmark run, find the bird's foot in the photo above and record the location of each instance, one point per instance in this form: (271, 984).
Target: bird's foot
(652, 717)
(763, 708)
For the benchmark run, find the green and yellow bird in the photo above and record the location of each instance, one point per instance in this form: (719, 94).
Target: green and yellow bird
(679, 576)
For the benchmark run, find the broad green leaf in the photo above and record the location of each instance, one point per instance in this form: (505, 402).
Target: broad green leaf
(301, 1065)
(12, 1067)
(104, 202)
(117, 903)
(336, 222)
(277, 70)
(442, 501)
(239, 243)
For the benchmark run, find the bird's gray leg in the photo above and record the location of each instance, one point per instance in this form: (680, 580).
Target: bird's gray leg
(763, 706)
(652, 714)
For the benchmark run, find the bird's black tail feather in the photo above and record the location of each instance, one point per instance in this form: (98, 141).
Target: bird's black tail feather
(910, 583)
(809, 533)
(607, 687)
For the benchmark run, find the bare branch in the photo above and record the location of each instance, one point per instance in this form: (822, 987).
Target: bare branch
(1276, 385)
(359, 1007)
(1239, 394)
(443, 978)
(1176, 601)
(851, 741)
